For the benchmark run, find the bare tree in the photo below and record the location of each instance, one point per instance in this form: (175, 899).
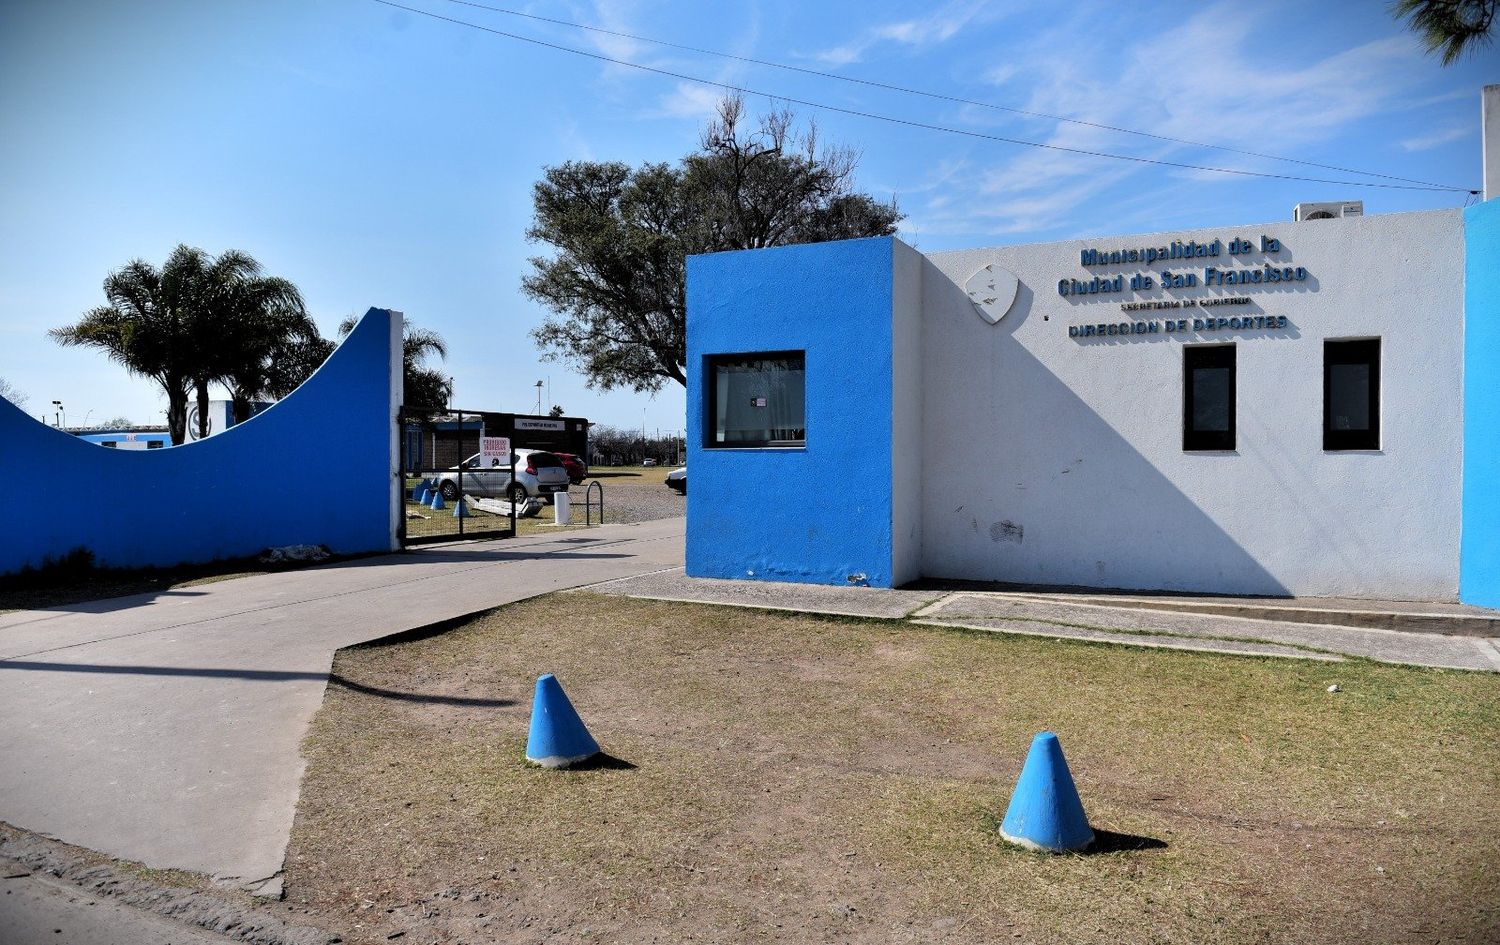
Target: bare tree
(10, 393)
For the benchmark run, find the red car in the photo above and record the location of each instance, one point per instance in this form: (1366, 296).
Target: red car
(577, 469)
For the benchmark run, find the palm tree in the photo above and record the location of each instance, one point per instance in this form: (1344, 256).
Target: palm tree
(197, 320)
(1449, 27)
(421, 386)
(263, 334)
(144, 329)
(239, 319)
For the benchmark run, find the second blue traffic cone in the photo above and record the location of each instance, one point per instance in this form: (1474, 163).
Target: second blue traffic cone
(437, 500)
(1045, 812)
(558, 736)
(460, 509)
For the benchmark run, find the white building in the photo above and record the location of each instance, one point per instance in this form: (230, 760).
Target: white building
(1293, 408)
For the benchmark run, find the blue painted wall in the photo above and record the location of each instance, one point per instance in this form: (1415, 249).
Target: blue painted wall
(1479, 563)
(313, 469)
(819, 514)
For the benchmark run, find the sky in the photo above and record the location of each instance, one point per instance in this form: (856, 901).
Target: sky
(379, 157)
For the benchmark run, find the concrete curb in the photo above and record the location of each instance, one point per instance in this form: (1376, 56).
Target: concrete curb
(98, 875)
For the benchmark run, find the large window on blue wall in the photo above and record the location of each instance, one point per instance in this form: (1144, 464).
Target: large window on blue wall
(757, 400)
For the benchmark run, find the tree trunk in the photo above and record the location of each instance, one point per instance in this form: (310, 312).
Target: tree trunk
(241, 406)
(202, 409)
(177, 402)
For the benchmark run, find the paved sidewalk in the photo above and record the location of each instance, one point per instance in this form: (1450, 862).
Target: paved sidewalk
(1039, 614)
(166, 728)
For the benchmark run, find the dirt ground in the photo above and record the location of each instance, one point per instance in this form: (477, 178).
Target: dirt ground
(785, 778)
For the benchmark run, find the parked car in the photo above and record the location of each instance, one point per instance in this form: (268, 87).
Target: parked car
(648, 461)
(538, 473)
(577, 469)
(677, 480)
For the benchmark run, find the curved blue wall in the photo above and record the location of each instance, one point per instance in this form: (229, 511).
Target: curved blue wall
(317, 468)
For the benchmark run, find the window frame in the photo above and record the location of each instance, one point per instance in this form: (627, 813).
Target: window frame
(1339, 441)
(1204, 356)
(711, 400)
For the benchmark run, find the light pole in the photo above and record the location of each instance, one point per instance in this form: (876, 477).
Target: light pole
(60, 416)
(539, 398)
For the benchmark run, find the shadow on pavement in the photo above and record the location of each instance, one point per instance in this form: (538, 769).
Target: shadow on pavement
(255, 675)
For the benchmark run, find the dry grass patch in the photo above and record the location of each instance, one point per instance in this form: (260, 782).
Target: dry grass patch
(810, 779)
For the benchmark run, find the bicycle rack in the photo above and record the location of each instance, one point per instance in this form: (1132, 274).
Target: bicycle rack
(588, 502)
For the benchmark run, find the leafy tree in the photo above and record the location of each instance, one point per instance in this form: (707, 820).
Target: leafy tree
(294, 362)
(144, 328)
(199, 319)
(622, 237)
(1449, 27)
(10, 393)
(118, 423)
(421, 386)
(556, 411)
(263, 335)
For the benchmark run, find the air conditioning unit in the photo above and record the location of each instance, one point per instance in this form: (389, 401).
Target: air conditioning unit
(1328, 211)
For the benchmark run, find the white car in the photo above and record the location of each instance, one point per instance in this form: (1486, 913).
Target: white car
(538, 473)
(677, 480)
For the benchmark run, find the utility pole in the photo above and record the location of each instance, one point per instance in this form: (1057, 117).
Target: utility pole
(539, 398)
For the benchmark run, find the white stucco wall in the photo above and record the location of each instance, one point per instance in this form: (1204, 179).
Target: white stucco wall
(906, 413)
(1055, 460)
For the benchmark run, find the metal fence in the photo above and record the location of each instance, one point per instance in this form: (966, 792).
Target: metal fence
(439, 485)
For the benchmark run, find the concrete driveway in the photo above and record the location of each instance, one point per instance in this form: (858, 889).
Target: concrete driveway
(165, 728)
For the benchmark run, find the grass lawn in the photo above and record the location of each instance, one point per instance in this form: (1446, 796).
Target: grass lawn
(804, 779)
(442, 521)
(655, 475)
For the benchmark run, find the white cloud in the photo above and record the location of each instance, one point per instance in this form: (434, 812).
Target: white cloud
(690, 100)
(1437, 138)
(686, 100)
(1209, 79)
(938, 26)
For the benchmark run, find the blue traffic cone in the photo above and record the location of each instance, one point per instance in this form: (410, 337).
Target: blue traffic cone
(558, 737)
(437, 500)
(421, 494)
(1045, 812)
(460, 509)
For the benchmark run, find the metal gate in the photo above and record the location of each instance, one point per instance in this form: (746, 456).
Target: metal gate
(441, 476)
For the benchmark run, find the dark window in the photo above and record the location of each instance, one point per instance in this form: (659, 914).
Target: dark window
(154, 445)
(1208, 398)
(757, 400)
(109, 445)
(1351, 395)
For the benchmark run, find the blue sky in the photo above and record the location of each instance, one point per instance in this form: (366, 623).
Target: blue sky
(378, 157)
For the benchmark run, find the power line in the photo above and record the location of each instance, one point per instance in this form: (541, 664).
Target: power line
(746, 90)
(939, 96)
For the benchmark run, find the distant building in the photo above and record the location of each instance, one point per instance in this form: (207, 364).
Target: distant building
(443, 440)
(131, 438)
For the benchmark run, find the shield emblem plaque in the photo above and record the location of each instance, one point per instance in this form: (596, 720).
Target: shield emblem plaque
(993, 290)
